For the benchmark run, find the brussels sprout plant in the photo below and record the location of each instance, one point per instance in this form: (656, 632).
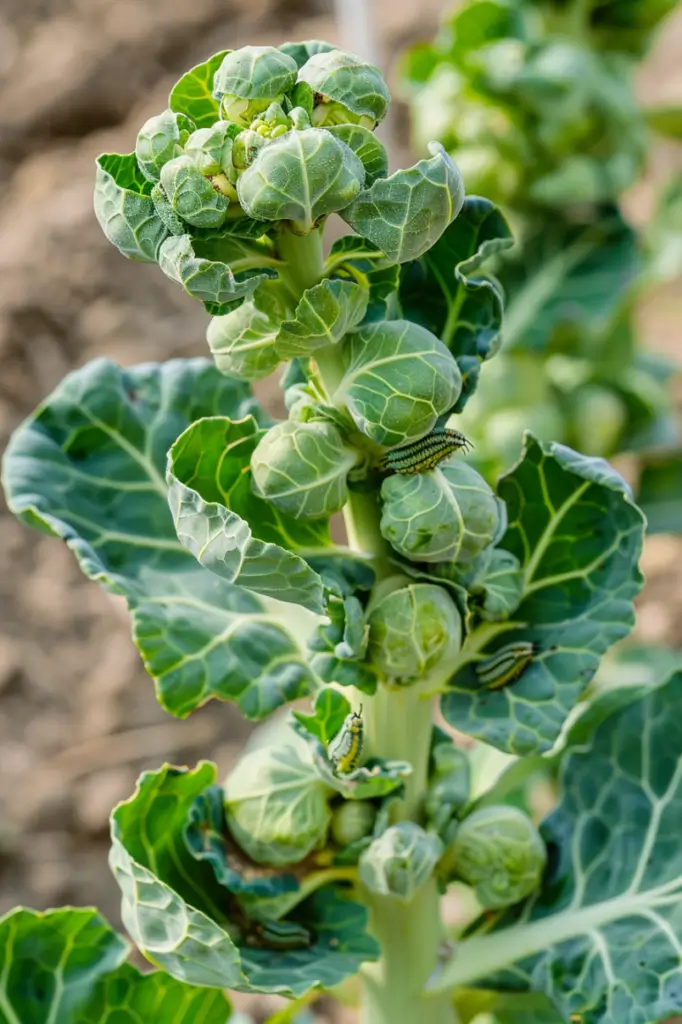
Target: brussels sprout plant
(536, 101)
(324, 859)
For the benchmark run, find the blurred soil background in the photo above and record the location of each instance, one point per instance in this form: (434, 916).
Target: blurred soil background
(78, 718)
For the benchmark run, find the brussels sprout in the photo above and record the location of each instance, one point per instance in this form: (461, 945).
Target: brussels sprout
(243, 341)
(211, 148)
(347, 89)
(448, 514)
(276, 805)
(400, 861)
(353, 820)
(399, 379)
(300, 177)
(499, 852)
(302, 468)
(413, 631)
(249, 79)
(191, 195)
(247, 146)
(159, 140)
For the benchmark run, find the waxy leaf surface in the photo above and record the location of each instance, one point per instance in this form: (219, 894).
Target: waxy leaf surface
(227, 527)
(407, 212)
(446, 292)
(578, 536)
(603, 938)
(125, 209)
(89, 467)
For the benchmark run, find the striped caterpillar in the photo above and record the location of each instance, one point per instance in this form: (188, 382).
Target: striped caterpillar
(426, 453)
(345, 749)
(506, 665)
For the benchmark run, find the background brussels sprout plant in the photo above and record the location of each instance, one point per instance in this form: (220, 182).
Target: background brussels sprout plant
(536, 102)
(325, 854)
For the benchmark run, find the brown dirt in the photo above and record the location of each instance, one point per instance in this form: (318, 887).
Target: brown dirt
(78, 719)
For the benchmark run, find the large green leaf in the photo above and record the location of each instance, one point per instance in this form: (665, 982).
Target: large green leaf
(407, 212)
(185, 920)
(88, 467)
(125, 209)
(442, 292)
(66, 967)
(603, 938)
(660, 493)
(567, 276)
(129, 997)
(51, 963)
(193, 94)
(227, 527)
(578, 536)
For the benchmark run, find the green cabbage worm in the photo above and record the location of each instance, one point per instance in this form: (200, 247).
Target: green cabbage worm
(426, 453)
(345, 749)
(506, 665)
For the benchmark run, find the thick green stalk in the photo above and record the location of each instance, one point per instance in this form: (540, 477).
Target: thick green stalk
(398, 726)
(303, 258)
(410, 938)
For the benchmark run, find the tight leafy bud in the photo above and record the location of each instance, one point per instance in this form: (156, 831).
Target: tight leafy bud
(211, 148)
(249, 79)
(276, 805)
(499, 852)
(302, 468)
(353, 820)
(301, 177)
(191, 195)
(413, 631)
(448, 514)
(347, 89)
(400, 861)
(159, 140)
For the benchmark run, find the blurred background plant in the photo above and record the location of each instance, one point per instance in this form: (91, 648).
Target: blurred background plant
(536, 100)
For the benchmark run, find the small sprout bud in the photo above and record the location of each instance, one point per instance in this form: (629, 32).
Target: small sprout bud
(276, 805)
(246, 148)
(249, 79)
(499, 852)
(400, 861)
(191, 195)
(447, 514)
(211, 148)
(347, 89)
(352, 821)
(302, 468)
(413, 631)
(159, 140)
(300, 119)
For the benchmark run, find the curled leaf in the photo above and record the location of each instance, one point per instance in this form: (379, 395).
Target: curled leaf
(205, 278)
(406, 213)
(125, 210)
